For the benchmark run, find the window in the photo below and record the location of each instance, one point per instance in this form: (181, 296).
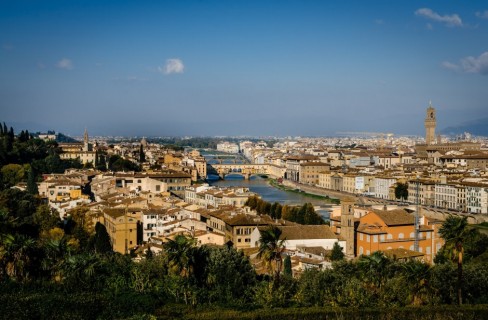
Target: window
(361, 250)
(375, 238)
(412, 235)
(360, 236)
(427, 250)
(389, 236)
(382, 237)
(367, 238)
(400, 235)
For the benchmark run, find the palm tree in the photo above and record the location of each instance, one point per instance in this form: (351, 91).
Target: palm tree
(417, 275)
(82, 270)
(271, 249)
(374, 268)
(15, 255)
(455, 232)
(180, 253)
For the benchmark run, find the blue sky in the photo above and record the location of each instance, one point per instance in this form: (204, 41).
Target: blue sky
(241, 67)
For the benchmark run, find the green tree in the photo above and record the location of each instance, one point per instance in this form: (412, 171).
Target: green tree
(401, 191)
(417, 276)
(32, 182)
(45, 218)
(180, 254)
(287, 271)
(337, 253)
(230, 276)
(16, 251)
(374, 270)
(270, 251)
(102, 243)
(12, 174)
(455, 232)
(142, 155)
(102, 163)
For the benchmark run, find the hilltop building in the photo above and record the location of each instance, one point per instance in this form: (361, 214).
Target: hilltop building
(79, 150)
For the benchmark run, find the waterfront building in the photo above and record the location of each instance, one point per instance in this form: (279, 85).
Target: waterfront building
(382, 186)
(309, 172)
(228, 147)
(476, 197)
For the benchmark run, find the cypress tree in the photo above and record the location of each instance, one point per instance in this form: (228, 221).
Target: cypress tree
(287, 266)
(142, 155)
(337, 253)
(31, 182)
(102, 240)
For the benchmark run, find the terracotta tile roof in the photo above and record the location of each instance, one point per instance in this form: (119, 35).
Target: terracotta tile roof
(398, 217)
(400, 253)
(306, 232)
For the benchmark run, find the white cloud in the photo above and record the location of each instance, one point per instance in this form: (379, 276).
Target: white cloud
(450, 66)
(470, 64)
(379, 21)
(172, 66)
(65, 63)
(476, 65)
(482, 15)
(452, 20)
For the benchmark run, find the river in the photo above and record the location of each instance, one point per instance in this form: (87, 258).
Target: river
(268, 193)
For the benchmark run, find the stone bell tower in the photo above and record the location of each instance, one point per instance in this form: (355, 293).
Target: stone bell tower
(430, 123)
(347, 225)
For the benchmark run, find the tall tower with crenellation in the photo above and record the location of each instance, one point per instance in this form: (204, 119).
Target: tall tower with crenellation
(430, 123)
(347, 225)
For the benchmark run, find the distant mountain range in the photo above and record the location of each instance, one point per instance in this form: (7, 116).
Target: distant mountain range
(477, 127)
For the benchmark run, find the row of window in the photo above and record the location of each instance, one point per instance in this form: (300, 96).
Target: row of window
(242, 231)
(427, 249)
(389, 236)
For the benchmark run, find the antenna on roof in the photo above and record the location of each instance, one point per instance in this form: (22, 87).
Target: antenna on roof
(417, 217)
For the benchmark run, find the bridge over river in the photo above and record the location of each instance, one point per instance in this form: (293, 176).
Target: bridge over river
(245, 170)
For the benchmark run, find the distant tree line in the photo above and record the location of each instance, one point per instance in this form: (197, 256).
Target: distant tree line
(304, 214)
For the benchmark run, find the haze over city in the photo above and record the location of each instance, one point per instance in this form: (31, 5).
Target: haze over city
(242, 67)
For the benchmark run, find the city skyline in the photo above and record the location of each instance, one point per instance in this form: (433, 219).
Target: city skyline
(242, 68)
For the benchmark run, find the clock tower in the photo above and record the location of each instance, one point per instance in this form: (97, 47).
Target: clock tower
(430, 123)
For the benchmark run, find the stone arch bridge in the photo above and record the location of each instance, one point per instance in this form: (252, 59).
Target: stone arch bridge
(245, 170)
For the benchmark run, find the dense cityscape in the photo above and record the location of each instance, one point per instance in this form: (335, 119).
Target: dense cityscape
(191, 225)
(272, 159)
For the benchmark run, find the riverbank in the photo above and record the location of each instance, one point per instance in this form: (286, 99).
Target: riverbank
(276, 184)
